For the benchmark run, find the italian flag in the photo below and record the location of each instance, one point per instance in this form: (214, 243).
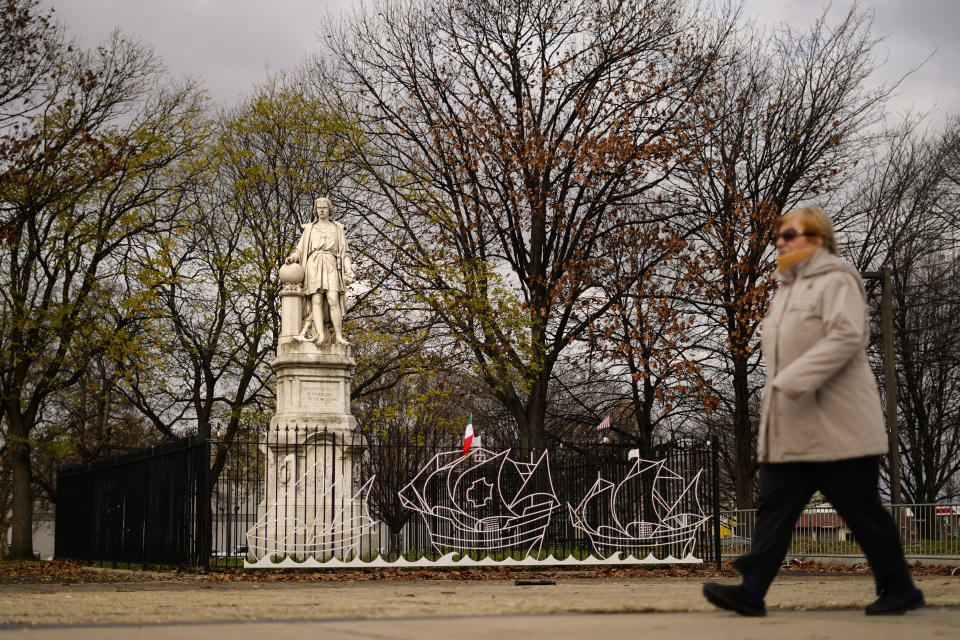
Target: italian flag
(468, 436)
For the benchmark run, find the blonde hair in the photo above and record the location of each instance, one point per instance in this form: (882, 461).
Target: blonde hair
(812, 218)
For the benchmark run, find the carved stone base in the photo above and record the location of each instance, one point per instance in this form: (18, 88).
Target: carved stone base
(312, 506)
(313, 386)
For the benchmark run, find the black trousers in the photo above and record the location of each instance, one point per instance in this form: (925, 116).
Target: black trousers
(851, 486)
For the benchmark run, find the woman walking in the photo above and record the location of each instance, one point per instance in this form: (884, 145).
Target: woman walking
(821, 426)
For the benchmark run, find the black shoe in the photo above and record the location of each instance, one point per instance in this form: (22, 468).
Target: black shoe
(896, 604)
(733, 598)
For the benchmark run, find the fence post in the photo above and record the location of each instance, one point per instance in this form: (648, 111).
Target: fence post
(715, 463)
(890, 385)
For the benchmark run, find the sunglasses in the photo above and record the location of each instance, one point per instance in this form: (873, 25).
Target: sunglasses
(790, 234)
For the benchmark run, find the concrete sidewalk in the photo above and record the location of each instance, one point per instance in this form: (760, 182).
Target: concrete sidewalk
(800, 607)
(780, 625)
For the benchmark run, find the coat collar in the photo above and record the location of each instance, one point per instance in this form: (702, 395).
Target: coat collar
(822, 261)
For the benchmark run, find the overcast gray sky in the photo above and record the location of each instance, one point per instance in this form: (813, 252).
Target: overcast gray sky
(232, 44)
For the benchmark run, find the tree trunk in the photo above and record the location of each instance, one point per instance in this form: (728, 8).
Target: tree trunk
(645, 435)
(533, 436)
(21, 543)
(394, 542)
(530, 416)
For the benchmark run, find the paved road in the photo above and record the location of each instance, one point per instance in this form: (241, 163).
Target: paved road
(801, 607)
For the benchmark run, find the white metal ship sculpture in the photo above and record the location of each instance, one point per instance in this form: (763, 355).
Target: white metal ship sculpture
(600, 515)
(483, 501)
(311, 520)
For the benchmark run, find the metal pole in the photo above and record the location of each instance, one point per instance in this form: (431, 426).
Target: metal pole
(890, 384)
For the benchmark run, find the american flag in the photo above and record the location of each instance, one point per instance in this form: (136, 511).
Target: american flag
(604, 424)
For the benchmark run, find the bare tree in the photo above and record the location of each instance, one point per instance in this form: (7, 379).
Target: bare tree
(504, 142)
(83, 160)
(639, 363)
(30, 49)
(788, 116)
(903, 215)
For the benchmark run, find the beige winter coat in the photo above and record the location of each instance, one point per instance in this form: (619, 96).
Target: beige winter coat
(820, 401)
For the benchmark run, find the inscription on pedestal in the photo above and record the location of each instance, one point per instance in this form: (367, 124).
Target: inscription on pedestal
(323, 395)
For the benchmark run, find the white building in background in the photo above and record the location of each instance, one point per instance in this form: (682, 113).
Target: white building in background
(43, 534)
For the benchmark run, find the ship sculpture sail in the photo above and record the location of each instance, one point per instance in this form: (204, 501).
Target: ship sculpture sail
(676, 516)
(483, 501)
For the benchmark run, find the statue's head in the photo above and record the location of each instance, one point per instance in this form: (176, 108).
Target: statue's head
(322, 208)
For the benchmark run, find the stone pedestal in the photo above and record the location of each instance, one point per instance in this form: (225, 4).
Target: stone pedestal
(313, 386)
(313, 506)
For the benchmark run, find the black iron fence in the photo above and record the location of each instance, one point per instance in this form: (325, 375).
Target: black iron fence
(296, 495)
(144, 507)
(304, 494)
